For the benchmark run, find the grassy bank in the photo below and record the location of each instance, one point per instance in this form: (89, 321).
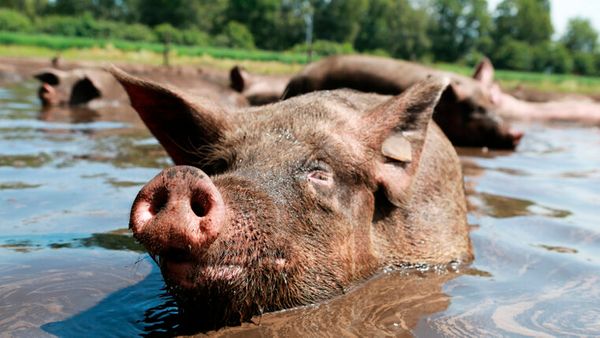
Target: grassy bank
(26, 45)
(61, 43)
(113, 55)
(562, 83)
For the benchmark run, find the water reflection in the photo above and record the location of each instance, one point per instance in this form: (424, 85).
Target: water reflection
(120, 239)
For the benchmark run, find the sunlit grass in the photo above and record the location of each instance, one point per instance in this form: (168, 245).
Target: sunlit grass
(539, 81)
(266, 62)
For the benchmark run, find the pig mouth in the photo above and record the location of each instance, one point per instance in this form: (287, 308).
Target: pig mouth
(190, 276)
(183, 269)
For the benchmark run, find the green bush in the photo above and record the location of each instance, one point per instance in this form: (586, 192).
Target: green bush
(378, 52)
(83, 26)
(584, 63)
(472, 58)
(194, 37)
(166, 33)
(325, 48)
(58, 25)
(135, 32)
(235, 35)
(597, 63)
(513, 54)
(552, 58)
(13, 21)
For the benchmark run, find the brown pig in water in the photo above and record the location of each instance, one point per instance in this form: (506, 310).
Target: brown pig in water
(465, 111)
(292, 203)
(257, 89)
(77, 87)
(97, 88)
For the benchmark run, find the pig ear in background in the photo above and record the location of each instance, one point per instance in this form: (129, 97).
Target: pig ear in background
(51, 77)
(84, 90)
(455, 92)
(238, 78)
(484, 72)
(182, 126)
(399, 129)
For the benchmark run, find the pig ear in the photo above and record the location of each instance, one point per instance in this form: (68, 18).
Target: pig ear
(50, 76)
(484, 72)
(495, 94)
(399, 129)
(84, 91)
(455, 91)
(182, 126)
(239, 78)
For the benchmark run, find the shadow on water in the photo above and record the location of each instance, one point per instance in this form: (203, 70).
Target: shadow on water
(144, 309)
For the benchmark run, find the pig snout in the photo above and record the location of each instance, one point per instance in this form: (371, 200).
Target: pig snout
(177, 215)
(516, 136)
(48, 95)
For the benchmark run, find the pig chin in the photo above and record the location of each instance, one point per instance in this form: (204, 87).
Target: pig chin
(192, 275)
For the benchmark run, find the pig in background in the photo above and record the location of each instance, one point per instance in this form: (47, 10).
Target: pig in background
(77, 87)
(97, 88)
(470, 111)
(257, 89)
(293, 203)
(465, 111)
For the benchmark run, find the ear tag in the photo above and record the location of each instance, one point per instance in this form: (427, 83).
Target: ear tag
(397, 147)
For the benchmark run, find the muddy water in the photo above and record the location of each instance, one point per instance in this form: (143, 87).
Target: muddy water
(69, 268)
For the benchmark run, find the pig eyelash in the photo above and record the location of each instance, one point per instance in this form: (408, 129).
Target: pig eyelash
(320, 177)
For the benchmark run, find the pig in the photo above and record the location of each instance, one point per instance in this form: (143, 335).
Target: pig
(585, 111)
(465, 111)
(77, 87)
(98, 88)
(257, 89)
(292, 203)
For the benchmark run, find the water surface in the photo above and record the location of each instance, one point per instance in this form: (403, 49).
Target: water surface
(69, 267)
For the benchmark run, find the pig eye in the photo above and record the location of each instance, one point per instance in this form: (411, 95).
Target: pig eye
(321, 174)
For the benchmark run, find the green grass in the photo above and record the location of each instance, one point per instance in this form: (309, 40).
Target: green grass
(61, 43)
(539, 81)
(268, 62)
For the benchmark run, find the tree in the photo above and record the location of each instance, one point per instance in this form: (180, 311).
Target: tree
(236, 35)
(551, 57)
(584, 63)
(513, 54)
(396, 27)
(178, 13)
(459, 27)
(259, 16)
(118, 10)
(580, 36)
(523, 20)
(338, 20)
(31, 8)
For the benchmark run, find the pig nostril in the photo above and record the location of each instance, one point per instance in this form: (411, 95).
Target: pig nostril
(199, 204)
(199, 209)
(159, 200)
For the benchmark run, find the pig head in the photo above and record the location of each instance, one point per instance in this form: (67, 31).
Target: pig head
(292, 203)
(465, 111)
(257, 89)
(77, 86)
